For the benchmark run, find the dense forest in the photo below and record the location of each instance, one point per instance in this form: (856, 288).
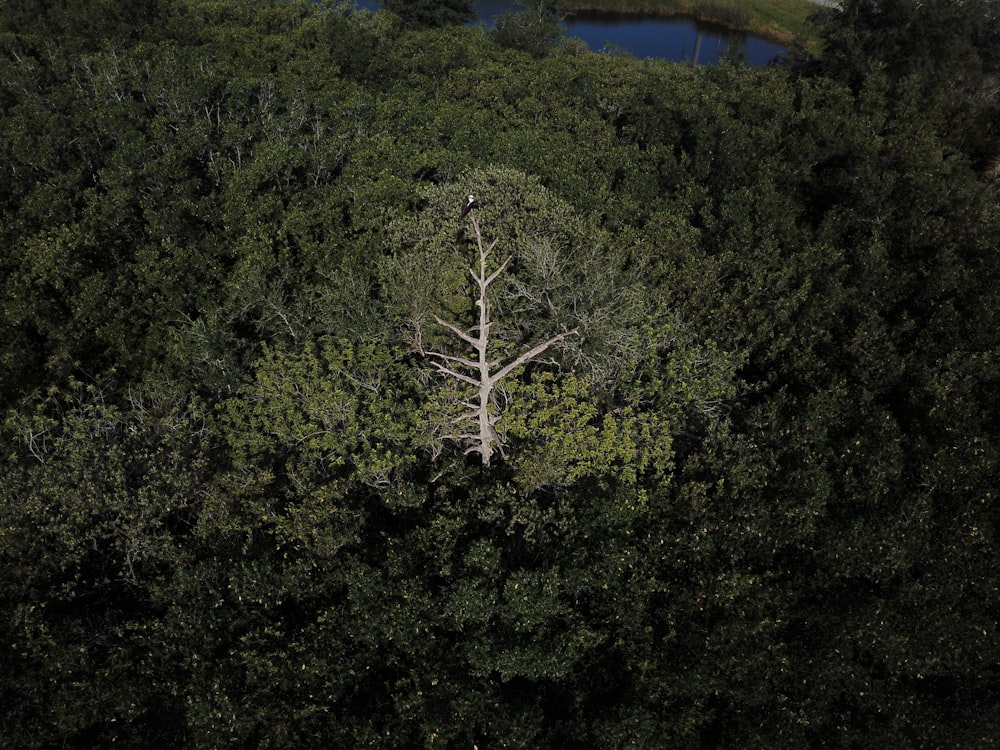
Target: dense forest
(741, 335)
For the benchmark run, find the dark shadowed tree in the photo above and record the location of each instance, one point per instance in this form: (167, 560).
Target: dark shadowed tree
(535, 29)
(423, 14)
(941, 54)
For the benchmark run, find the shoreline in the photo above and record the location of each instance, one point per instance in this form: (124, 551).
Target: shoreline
(783, 22)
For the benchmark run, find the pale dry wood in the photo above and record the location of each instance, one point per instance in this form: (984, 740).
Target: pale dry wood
(483, 376)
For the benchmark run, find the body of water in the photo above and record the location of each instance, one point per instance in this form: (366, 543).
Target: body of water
(677, 39)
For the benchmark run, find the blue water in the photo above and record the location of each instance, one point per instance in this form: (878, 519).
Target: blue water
(675, 39)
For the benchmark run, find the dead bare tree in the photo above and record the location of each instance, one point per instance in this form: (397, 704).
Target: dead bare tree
(482, 373)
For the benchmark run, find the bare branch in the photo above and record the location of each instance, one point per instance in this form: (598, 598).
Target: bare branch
(497, 272)
(485, 380)
(458, 332)
(449, 358)
(460, 376)
(532, 353)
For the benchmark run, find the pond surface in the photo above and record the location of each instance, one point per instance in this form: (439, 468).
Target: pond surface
(676, 39)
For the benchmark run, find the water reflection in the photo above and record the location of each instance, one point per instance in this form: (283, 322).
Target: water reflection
(677, 39)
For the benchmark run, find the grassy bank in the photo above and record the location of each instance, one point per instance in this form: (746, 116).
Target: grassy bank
(781, 21)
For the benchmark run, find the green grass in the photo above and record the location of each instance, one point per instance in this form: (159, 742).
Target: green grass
(781, 21)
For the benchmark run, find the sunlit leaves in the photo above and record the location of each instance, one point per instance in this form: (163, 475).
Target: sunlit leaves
(559, 435)
(340, 415)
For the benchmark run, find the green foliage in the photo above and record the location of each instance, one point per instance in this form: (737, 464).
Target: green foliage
(926, 50)
(555, 281)
(420, 14)
(97, 505)
(570, 439)
(534, 30)
(753, 505)
(346, 408)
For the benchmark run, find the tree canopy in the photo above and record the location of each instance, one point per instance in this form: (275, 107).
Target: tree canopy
(750, 502)
(431, 13)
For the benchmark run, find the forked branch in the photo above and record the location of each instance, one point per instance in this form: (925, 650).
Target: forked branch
(480, 372)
